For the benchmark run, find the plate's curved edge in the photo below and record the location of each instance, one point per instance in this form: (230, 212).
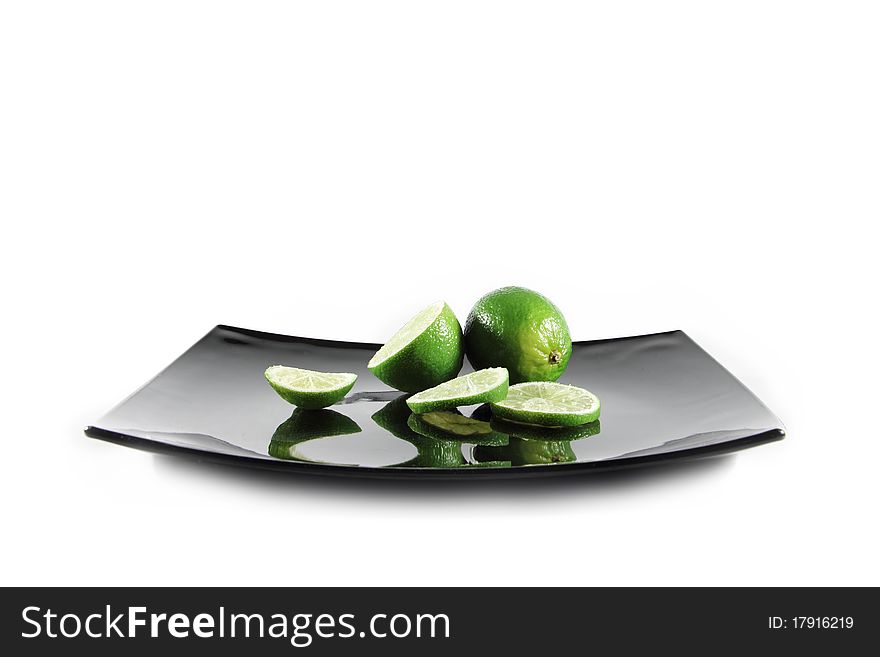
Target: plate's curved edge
(283, 337)
(343, 344)
(737, 379)
(561, 469)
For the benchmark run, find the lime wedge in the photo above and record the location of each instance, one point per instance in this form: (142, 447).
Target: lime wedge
(309, 389)
(428, 350)
(475, 388)
(446, 425)
(548, 404)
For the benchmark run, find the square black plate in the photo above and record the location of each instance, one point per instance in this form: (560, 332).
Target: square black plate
(663, 397)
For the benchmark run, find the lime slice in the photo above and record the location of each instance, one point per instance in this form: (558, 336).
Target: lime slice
(428, 350)
(548, 404)
(475, 388)
(445, 425)
(309, 389)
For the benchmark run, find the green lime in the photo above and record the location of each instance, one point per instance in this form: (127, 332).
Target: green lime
(304, 425)
(534, 432)
(309, 389)
(427, 351)
(548, 404)
(445, 425)
(475, 388)
(520, 451)
(521, 330)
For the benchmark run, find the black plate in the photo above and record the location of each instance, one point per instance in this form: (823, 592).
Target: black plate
(663, 398)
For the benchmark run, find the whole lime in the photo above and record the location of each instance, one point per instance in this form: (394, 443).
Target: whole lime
(521, 330)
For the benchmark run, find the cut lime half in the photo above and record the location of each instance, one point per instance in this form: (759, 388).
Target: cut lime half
(428, 350)
(548, 404)
(307, 388)
(475, 388)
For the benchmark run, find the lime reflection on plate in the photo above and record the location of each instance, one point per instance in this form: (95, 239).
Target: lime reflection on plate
(533, 445)
(533, 432)
(520, 451)
(304, 425)
(432, 453)
(442, 439)
(449, 425)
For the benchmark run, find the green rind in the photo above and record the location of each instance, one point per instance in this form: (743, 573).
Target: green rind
(310, 400)
(433, 357)
(545, 419)
(509, 328)
(495, 394)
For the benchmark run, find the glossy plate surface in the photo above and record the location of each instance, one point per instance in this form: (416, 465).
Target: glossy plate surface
(663, 397)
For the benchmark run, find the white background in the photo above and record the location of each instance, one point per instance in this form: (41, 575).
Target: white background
(326, 169)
